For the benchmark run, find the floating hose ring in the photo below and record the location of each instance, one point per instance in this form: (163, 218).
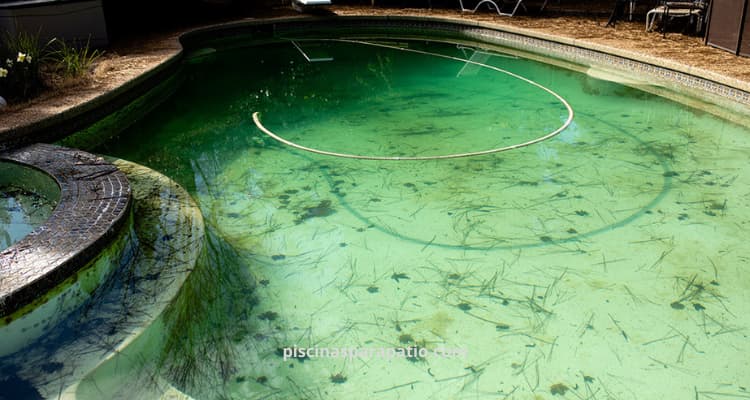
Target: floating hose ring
(568, 121)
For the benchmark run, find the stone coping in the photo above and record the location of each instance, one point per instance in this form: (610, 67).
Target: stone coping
(76, 117)
(406, 20)
(94, 202)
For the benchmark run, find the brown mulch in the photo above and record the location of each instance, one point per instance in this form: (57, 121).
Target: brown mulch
(127, 59)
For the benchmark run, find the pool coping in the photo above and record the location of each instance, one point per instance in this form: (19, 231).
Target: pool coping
(93, 206)
(51, 128)
(469, 23)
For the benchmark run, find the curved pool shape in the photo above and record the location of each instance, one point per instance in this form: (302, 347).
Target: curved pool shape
(605, 261)
(27, 198)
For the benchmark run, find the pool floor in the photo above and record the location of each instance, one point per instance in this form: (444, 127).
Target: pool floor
(606, 262)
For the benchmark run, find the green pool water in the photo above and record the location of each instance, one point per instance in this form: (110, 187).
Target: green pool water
(607, 262)
(27, 199)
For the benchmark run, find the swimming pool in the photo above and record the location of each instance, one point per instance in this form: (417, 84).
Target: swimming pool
(604, 261)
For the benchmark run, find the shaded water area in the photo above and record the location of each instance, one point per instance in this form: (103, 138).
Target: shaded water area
(27, 198)
(605, 262)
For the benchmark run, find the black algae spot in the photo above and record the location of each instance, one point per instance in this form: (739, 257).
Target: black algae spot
(323, 209)
(670, 173)
(502, 327)
(268, 316)
(698, 307)
(261, 379)
(677, 305)
(558, 388)
(277, 257)
(338, 379)
(582, 213)
(398, 276)
(373, 289)
(405, 339)
(545, 239)
(464, 306)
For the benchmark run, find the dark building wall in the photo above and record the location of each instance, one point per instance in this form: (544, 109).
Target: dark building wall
(728, 26)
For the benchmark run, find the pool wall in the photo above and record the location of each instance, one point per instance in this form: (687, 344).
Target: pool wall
(716, 93)
(52, 270)
(34, 320)
(123, 319)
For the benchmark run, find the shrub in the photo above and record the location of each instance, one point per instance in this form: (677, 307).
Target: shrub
(20, 56)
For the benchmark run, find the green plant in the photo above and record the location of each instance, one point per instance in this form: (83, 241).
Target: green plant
(20, 56)
(74, 61)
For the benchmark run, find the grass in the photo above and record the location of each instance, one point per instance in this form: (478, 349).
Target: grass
(74, 61)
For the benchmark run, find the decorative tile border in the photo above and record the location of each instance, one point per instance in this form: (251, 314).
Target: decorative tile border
(94, 202)
(669, 74)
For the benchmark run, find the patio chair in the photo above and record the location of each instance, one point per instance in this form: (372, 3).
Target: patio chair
(306, 5)
(493, 5)
(694, 11)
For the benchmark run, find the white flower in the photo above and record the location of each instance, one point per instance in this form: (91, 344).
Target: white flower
(8, 62)
(21, 57)
(3, 72)
(28, 59)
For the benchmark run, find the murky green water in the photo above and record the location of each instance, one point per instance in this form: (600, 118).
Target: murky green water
(606, 262)
(20, 212)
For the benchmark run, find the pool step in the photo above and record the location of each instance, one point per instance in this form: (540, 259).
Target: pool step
(312, 52)
(121, 327)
